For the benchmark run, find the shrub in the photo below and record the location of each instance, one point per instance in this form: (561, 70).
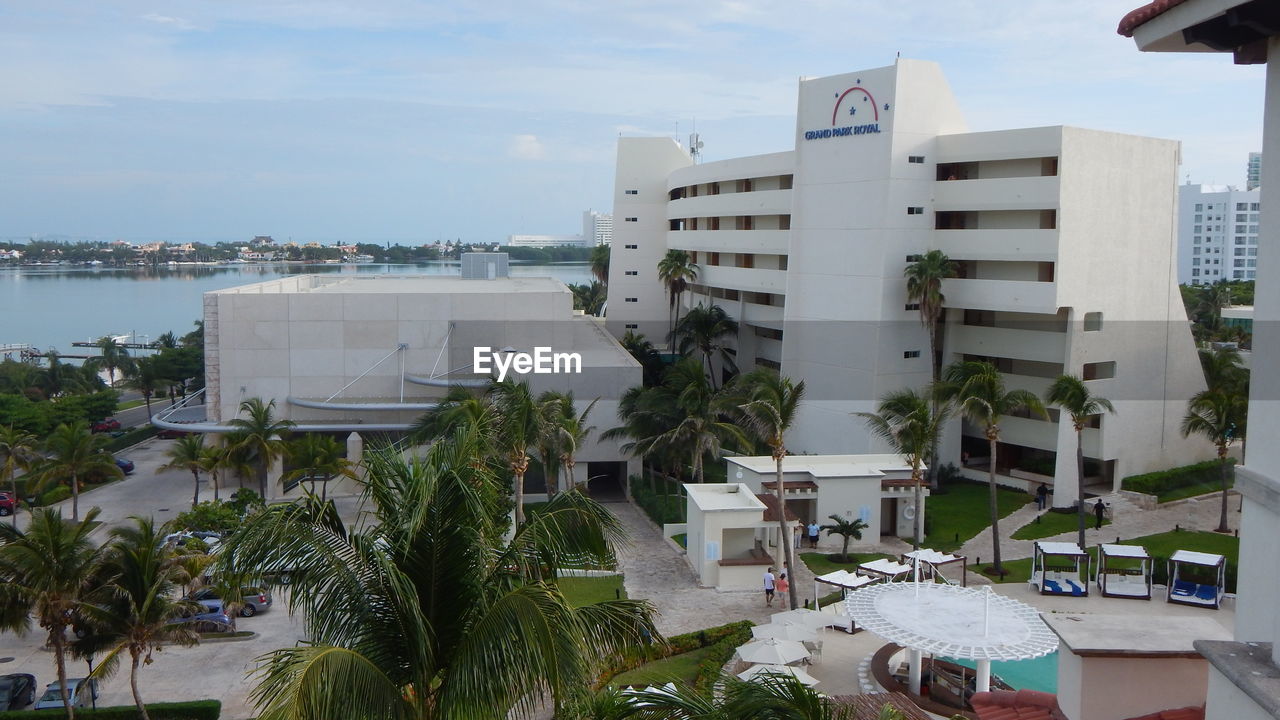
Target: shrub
(56, 495)
(194, 710)
(661, 509)
(1162, 481)
(132, 437)
(734, 633)
(246, 502)
(214, 515)
(709, 669)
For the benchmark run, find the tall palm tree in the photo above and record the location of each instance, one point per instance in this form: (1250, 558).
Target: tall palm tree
(565, 429)
(75, 453)
(647, 355)
(703, 428)
(771, 404)
(17, 452)
(188, 453)
(450, 621)
(675, 271)
(1213, 297)
(260, 435)
(646, 413)
(112, 356)
(460, 408)
(924, 287)
(1219, 416)
(167, 340)
(588, 298)
(144, 376)
(135, 611)
(1071, 394)
(519, 424)
(977, 389)
(318, 457)
(1223, 369)
(705, 329)
(600, 263)
(907, 421)
(44, 573)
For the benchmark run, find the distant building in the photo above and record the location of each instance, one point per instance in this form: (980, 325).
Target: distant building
(597, 228)
(1217, 234)
(262, 240)
(13, 255)
(541, 241)
(1253, 179)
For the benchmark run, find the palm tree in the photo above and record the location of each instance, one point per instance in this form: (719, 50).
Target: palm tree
(847, 529)
(924, 287)
(772, 403)
(704, 329)
(17, 451)
(600, 263)
(588, 298)
(1224, 369)
(167, 340)
(111, 357)
(318, 457)
(647, 355)
(188, 453)
(260, 435)
(768, 697)
(74, 454)
(675, 271)
(144, 376)
(44, 573)
(980, 396)
(646, 413)
(1213, 297)
(702, 429)
(134, 611)
(565, 429)
(907, 421)
(1219, 416)
(1071, 394)
(519, 424)
(451, 620)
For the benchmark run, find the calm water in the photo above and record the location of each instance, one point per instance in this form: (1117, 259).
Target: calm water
(55, 306)
(1038, 674)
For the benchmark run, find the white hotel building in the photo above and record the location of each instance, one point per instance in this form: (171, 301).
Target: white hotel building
(1217, 234)
(1064, 239)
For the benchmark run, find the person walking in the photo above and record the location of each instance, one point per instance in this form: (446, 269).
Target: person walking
(1042, 496)
(783, 585)
(1099, 510)
(813, 534)
(769, 586)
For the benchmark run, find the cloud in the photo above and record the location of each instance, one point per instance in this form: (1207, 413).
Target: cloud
(526, 147)
(173, 22)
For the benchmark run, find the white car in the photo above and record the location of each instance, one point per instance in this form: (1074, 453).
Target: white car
(83, 694)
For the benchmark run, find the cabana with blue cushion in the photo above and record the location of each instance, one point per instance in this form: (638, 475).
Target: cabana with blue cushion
(1060, 568)
(1197, 578)
(1117, 576)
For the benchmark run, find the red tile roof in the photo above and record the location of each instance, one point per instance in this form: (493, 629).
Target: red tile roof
(771, 508)
(1186, 713)
(1144, 14)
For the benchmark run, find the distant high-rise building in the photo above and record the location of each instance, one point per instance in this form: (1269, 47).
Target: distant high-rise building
(1254, 177)
(597, 228)
(1217, 234)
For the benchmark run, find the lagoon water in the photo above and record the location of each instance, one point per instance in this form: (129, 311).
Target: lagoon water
(51, 307)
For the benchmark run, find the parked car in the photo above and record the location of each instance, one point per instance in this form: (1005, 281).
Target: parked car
(212, 620)
(211, 539)
(8, 504)
(17, 691)
(83, 691)
(168, 434)
(106, 425)
(253, 599)
(125, 465)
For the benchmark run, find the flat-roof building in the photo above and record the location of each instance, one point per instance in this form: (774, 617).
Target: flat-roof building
(1217, 234)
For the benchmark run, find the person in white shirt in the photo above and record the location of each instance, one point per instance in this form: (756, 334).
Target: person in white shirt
(769, 585)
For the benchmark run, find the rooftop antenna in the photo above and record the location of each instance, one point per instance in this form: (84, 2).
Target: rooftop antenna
(695, 144)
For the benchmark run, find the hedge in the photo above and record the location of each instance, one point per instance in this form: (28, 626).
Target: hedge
(724, 639)
(132, 437)
(56, 495)
(661, 509)
(1162, 481)
(194, 710)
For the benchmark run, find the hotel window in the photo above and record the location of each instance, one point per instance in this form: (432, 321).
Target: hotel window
(1253, 229)
(633, 299)
(1253, 251)
(1239, 263)
(1242, 228)
(1242, 206)
(630, 247)
(632, 272)
(913, 258)
(1199, 207)
(1240, 252)
(1242, 217)
(917, 159)
(1195, 261)
(632, 326)
(1249, 275)
(1197, 239)
(1092, 322)
(1237, 274)
(1195, 272)
(910, 354)
(1197, 228)
(1099, 370)
(912, 306)
(1251, 263)
(630, 219)
(1254, 207)
(1199, 218)
(915, 210)
(767, 363)
(633, 192)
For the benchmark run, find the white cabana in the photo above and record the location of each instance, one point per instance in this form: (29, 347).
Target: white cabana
(1202, 584)
(756, 671)
(784, 631)
(885, 568)
(952, 621)
(1117, 576)
(1060, 568)
(803, 616)
(842, 579)
(772, 651)
(933, 560)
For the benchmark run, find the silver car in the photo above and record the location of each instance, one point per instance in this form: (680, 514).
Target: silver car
(83, 694)
(253, 599)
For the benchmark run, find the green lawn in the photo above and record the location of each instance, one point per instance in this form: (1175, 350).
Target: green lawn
(590, 590)
(821, 563)
(1190, 491)
(1054, 523)
(1160, 546)
(677, 668)
(963, 512)
(681, 539)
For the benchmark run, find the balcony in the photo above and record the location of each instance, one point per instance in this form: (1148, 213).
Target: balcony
(763, 242)
(1010, 295)
(762, 315)
(1029, 245)
(1002, 342)
(1024, 193)
(748, 279)
(761, 202)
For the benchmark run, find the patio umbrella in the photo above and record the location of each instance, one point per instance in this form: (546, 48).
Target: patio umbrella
(755, 671)
(773, 651)
(804, 617)
(782, 631)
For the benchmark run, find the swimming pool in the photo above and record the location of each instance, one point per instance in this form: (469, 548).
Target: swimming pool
(1038, 674)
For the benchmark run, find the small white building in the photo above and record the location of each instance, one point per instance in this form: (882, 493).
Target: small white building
(875, 489)
(729, 529)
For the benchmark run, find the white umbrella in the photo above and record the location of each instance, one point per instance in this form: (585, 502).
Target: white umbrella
(803, 616)
(784, 632)
(755, 671)
(773, 651)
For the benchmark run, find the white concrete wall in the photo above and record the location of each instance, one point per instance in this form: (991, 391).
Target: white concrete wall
(1095, 688)
(1228, 702)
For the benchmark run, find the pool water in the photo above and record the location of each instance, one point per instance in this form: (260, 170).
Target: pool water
(1038, 674)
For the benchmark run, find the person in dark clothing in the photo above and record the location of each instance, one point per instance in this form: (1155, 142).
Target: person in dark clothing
(1099, 510)
(1042, 496)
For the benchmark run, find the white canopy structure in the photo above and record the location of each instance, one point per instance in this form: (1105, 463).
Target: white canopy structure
(885, 568)
(1060, 568)
(803, 616)
(783, 631)
(953, 621)
(933, 560)
(756, 671)
(773, 651)
(1203, 584)
(1117, 574)
(842, 579)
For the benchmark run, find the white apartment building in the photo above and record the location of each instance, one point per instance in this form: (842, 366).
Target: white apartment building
(1217, 234)
(597, 228)
(1053, 229)
(1253, 177)
(541, 241)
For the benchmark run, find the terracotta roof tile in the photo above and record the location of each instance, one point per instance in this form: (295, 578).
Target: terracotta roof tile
(1144, 14)
(771, 507)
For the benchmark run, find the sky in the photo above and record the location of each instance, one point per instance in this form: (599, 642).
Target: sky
(411, 121)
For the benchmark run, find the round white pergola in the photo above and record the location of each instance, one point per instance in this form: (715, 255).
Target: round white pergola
(952, 621)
